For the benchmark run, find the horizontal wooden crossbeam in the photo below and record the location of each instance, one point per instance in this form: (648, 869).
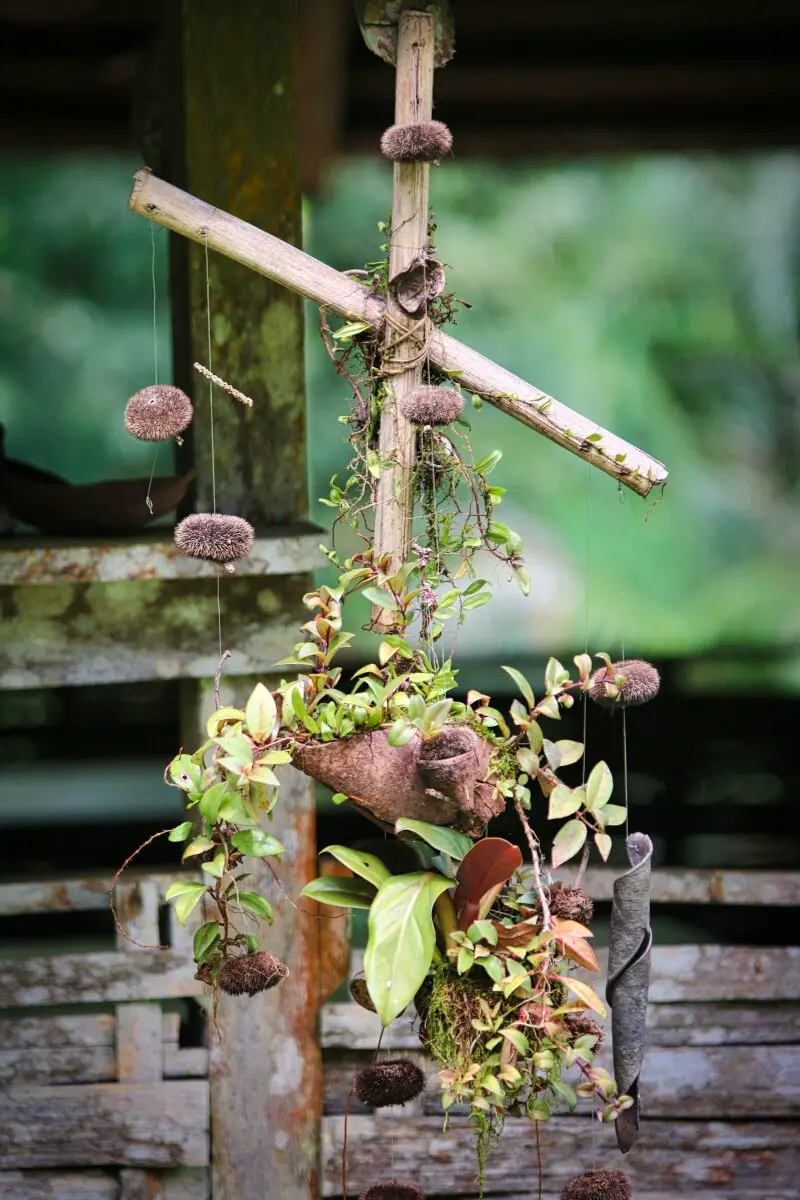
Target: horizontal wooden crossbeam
(244, 243)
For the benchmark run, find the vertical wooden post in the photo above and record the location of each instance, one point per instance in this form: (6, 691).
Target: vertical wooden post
(236, 145)
(409, 236)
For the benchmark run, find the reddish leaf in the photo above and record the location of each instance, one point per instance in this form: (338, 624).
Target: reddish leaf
(489, 863)
(580, 952)
(516, 935)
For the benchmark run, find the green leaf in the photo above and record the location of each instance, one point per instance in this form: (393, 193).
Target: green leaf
(351, 329)
(255, 841)
(181, 832)
(571, 752)
(551, 754)
(263, 774)
(523, 578)
(237, 747)
(186, 895)
(549, 708)
(185, 774)
(563, 803)
(568, 841)
(522, 683)
(594, 437)
(441, 837)
(257, 904)
(199, 846)
(217, 865)
(528, 760)
(603, 843)
(517, 1039)
(260, 713)
(493, 967)
(366, 865)
(233, 810)
(380, 597)
(535, 736)
(599, 787)
(555, 674)
(613, 814)
(374, 464)
(339, 798)
(401, 940)
(489, 461)
(205, 939)
(212, 800)
(400, 733)
(335, 889)
(223, 716)
(585, 994)
(482, 931)
(466, 958)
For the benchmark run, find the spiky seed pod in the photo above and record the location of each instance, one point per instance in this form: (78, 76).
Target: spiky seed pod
(580, 1025)
(360, 993)
(418, 142)
(395, 1081)
(429, 405)
(599, 1185)
(392, 1189)
(215, 536)
(642, 682)
(158, 412)
(251, 973)
(570, 904)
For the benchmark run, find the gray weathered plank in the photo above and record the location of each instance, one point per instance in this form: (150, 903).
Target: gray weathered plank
(190, 1183)
(139, 1043)
(91, 1064)
(117, 1124)
(701, 886)
(94, 1029)
(673, 1158)
(97, 979)
(79, 895)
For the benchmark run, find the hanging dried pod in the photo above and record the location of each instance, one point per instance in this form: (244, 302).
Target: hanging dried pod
(215, 537)
(599, 1185)
(641, 683)
(570, 903)
(158, 413)
(360, 992)
(247, 974)
(395, 1081)
(428, 405)
(417, 142)
(392, 1189)
(422, 281)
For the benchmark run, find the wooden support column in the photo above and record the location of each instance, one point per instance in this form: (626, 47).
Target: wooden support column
(236, 143)
(394, 505)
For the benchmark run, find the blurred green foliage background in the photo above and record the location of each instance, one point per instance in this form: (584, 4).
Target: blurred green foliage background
(659, 296)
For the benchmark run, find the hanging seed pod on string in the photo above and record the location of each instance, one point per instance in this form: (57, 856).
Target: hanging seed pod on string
(215, 537)
(247, 974)
(428, 405)
(624, 684)
(158, 413)
(599, 1185)
(395, 1081)
(392, 1189)
(417, 142)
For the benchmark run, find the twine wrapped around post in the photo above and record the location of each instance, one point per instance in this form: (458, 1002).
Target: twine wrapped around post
(629, 978)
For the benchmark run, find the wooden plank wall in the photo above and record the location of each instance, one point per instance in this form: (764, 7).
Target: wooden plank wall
(106, 1104)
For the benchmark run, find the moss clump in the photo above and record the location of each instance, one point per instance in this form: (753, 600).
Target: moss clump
(447, 1005)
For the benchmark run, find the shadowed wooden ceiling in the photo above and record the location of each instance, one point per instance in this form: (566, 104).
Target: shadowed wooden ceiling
(530, 77)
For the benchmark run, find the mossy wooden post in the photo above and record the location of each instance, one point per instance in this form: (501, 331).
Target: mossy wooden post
(238, 146)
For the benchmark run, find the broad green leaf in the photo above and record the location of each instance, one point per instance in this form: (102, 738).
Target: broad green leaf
(260, 713)
(185, 773)
(206, 937)
(217, 865)
(255, 841)
(339, 798)
(336, 889)
(614, 814)
(181, 832)
(585, 994)
(263, 774)
(551, 754)
(482, 931)
(522, 683)
(257, 904)
(563, 803)
(186, 895)
(565, 1090)
(275, 758)
(528, 760)
(233, 810)
(212, 801)
(599, 787)
(435, 715)
(523, 578)
(555, 674)
(549, 708)
(568, 841)
(223, 716)
(493, 967)
(584, 664)
(366, 865)
(489, 461)
(603, 843)
(400, 733)
(351, 329)
(517, 1039)
(199, 846)
(401, 940)
(380, 597)
(441, 837)
(466, 958)
(535, 736)
(571, 752)
(237, 747)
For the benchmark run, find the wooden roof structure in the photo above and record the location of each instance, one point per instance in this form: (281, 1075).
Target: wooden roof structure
(534, 78)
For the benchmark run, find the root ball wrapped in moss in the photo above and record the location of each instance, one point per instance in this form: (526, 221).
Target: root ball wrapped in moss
(570, 904)
(247, 974)
(581, 1025)
(641, 683)
(599, 1185)
(417, 142)
(393, 1082)
(215, 537)
(392, 1189)
(429, 405)
(447, 1005)
(158, 412)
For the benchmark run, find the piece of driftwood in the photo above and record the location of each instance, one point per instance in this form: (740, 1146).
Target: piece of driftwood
(262, 252)
(112, 506)
(386, 782)
(629, 979)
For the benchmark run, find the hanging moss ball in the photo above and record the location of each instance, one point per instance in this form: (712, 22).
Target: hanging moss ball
(429, 405)
(599, 1185)
(395, 1081)
(158, 412)
(360, 993)
(392, 1189)
(579, 1025)
(215, 537)
(570, 904)
(418, 142)
(642, 682)
(247, 974)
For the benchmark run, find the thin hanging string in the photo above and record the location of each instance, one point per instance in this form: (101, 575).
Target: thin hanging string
(147, 498)
(624, 710)
(586, 572)
(211, 423)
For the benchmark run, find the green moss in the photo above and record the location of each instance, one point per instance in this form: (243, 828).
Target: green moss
(448, 1004)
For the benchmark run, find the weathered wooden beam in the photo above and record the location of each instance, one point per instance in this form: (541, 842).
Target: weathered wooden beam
(408, 239)
(685, 885)
(268, 255)
(187, 1183)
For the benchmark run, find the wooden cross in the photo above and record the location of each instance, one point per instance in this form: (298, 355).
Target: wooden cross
(293, 268)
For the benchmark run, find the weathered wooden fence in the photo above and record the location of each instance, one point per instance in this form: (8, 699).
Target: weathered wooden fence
(99, 1100)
